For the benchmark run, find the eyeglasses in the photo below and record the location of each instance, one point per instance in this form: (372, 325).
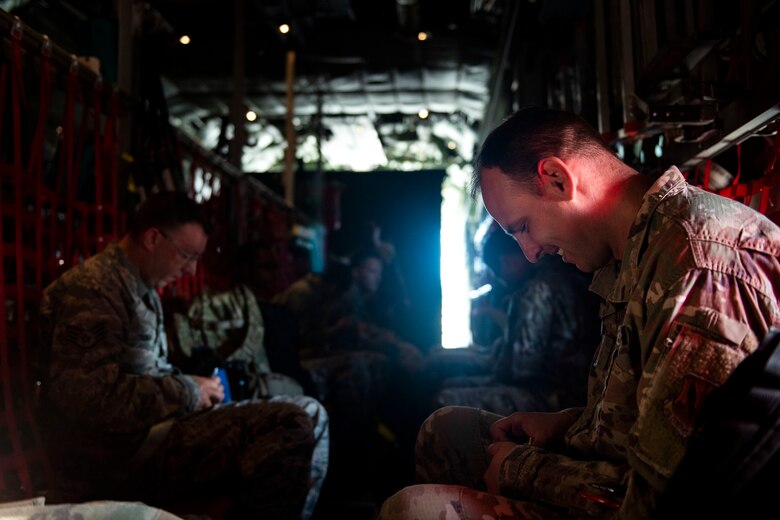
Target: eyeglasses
(185, 255)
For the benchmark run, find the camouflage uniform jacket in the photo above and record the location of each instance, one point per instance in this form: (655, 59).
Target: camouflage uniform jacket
(304, 299)
(550, 337)
(696, 290)
(109, 379)
(231, 324)
(233, 317)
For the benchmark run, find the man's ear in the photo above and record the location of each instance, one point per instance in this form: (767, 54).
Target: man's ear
(556, 180)
(150, 238)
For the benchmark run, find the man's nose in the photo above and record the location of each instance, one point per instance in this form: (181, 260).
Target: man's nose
(191, 267)
(532, 251)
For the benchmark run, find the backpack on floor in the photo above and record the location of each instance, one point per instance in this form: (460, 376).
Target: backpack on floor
(732, 467)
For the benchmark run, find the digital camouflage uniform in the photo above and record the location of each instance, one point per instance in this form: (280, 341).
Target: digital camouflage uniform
(304, 298)
(543, 360)
(696, 290)
(349, 383)
(366, 331)
(231, 324)
(98, 510)
(344, 383)
(120, 418)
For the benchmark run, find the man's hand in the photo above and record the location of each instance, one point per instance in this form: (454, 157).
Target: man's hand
(498, 452)
(538, 429)
(211, 391)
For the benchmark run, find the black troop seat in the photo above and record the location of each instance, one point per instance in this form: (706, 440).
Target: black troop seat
(732, 468)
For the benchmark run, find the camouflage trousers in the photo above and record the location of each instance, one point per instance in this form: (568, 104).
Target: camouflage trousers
(349, 385)
(97, 510)
(269, 456)
(451, 459)
(496, 398)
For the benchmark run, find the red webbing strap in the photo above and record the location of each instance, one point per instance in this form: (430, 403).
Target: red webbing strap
(736, 190)
(35, 165)
(771, 174)
(775, 153)
(55, 252)
(111, 160)
(181, 288)
(760, 188)
(764, 186)
(79, 242)
(4, 369)
(17, 88)
(3, 81)
(97, 95)
(763, 204)
(707, 170)
(17, 460)
(85, 248)
(68, 131)
(17, 97)
(35, 178)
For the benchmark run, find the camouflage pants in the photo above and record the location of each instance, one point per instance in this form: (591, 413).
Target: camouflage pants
(273, 384)
(496, 398)
(349, 384)
(451, 456)
(97, 510)
(269, 456)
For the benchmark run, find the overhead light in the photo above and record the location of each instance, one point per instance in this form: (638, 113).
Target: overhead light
(422, 36)
(184, 40)
(423, 114)
(284, 28)
(452, 145)
(251, 115)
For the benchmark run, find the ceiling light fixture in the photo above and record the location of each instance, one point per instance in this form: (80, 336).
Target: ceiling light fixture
(284, 28)
(184, 40)
(423, 114)
(251, 115)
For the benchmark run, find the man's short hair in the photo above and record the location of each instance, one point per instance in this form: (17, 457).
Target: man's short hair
(167, 211)
(531, 134)
(364, 253)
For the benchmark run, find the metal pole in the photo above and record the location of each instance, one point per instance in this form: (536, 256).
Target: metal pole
(288, 180)
(237, 106)
(602, 76)
(627, 47)
(316, 186)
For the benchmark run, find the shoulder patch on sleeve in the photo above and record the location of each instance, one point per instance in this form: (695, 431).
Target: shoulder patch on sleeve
(84, 337)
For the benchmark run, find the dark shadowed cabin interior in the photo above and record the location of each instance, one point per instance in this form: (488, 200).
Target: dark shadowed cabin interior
(325, 140)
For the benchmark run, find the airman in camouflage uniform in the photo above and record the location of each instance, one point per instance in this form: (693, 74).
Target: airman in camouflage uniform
(125, 424)
(230, 324)
(690, 282)
(543, 360)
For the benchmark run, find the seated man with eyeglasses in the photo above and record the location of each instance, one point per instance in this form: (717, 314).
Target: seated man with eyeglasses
(124, 424)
